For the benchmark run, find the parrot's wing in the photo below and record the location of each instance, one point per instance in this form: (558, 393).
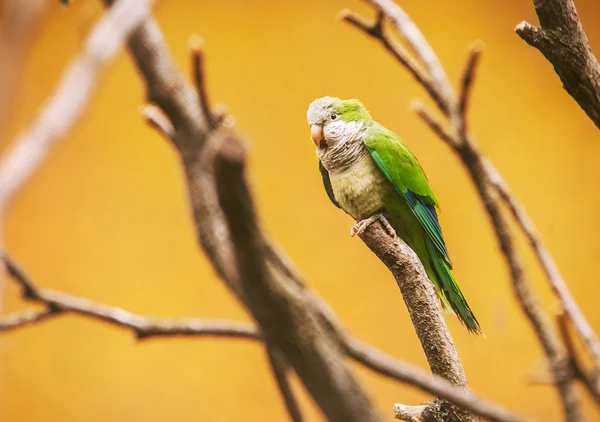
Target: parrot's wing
(327, 184)
(401, 167)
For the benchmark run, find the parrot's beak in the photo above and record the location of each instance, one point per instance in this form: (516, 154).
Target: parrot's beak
(316, 134)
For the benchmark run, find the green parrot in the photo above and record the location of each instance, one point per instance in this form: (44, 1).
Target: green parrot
(370, 173)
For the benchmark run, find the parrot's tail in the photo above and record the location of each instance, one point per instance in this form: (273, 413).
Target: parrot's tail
(448, 290)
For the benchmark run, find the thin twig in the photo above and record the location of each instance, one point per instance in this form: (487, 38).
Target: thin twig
(590, 381)
(279, 368)
(376, 31)
(24, 318)
(57, 303)
(415, 39)
(465, 88)
(198, 58)
(157, 120)
(558, 284)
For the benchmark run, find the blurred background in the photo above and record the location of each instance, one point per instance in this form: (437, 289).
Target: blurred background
(107, 216)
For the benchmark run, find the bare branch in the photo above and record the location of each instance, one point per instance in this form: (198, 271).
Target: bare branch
(197, 49)
(393, 368)
(552, 272)
(590, 381)
(422, 303)
(415, 39)
(143, 327)
(435, 124)
(375, 30)
(562, 40)
(24, 318)
(157, 120)
(280, 307)
(466, 84)
(484, 176)
(279, 369)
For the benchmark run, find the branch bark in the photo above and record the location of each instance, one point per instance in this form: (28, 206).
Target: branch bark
(562, 40)
(56, 303)
(424, 310)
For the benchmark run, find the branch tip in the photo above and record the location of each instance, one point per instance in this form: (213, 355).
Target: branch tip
(157, 120)
(196, 44)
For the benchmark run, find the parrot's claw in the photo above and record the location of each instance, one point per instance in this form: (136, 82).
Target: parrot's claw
(362, 225)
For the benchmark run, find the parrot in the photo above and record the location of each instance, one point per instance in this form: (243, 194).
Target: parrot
(369, 172)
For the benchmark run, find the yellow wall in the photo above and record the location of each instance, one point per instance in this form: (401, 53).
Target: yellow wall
(106, 217)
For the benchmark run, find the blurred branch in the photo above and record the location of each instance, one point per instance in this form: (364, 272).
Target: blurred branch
(487, 181)
(591, 381)
(279, 367)
(57, 303)
(71, 97)
(562, 40)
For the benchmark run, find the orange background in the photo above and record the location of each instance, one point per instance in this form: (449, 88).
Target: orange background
(107, 216)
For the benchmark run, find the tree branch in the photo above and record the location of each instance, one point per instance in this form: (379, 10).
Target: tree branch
(422, 304)
(386, 365)
(279, 368)
(591, 381)
(396, 49)
(485, 176)
(280, 307)
(57, 303)
(562, 40)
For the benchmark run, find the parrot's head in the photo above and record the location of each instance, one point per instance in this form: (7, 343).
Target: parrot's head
(334, 121)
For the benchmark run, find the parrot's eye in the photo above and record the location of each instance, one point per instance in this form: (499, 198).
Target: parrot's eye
(334, 116)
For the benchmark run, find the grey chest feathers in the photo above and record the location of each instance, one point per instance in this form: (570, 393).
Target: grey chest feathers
(360, 188)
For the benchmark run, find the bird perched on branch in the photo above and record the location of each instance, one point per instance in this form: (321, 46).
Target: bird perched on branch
(370, 173)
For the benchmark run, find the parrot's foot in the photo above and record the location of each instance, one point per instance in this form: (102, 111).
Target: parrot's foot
(362, 225)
